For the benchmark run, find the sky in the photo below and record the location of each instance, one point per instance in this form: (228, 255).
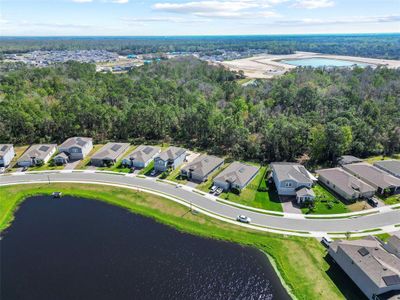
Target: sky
(196, 17)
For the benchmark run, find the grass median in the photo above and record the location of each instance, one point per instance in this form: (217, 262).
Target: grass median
(300, 261)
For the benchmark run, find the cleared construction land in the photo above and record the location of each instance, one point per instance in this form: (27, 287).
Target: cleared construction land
(268, 66)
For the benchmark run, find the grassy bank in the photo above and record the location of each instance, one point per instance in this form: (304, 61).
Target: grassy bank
(300, 261)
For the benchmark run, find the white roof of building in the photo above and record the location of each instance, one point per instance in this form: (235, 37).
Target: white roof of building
(4, 148)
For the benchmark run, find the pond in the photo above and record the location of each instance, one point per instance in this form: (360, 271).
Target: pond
(74, 248)
(316, 62)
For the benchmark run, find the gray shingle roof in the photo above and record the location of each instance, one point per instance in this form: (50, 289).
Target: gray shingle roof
(111, 151)
(369, 255)
(203, 164)
(305, 192)
(75, 142)
(291, 171)
(172, 153)
(238, 173)
(345, 181)
(391, 166)
(39, 151)
(373, 175)
(348, 159)
(143, 153)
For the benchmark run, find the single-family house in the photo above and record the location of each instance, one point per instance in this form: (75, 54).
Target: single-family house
(38, 154)
(348, 159)
(391, 166)
(236, 176)
(173, 157)
(141, 156)
(201, 167)
(7, 154)
(345, 184)
(375, 177)
(371, 265)
(108, 154)
(76, 147)
(290, 180)
(61, 158)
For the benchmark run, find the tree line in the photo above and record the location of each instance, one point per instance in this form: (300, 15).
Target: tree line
(366, 45)
(320, 113)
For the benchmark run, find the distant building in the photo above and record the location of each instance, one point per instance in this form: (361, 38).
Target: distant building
(375, 177)
(76, 147)
(201, 167)
(37, 154)
(236, 176)
(345, 184)
(372, 265)
(348, 159)
(7, 154)
(141, 156)
(390, 166)
(290, 180)
(108, 154)
(173, 157)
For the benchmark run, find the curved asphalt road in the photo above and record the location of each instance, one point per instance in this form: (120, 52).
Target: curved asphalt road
(361, 223)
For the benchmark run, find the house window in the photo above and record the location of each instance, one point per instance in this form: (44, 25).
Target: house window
(288, 184)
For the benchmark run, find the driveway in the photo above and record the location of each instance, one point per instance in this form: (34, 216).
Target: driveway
(288, 206)
(71, 165)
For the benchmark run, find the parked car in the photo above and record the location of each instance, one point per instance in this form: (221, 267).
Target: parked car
(218, 191)
(2, 170)
(243, 219)
(326, 241)
(213, 189)
(153, 173)
(373, 202)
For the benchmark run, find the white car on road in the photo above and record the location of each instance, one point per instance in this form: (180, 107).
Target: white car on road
(243, 219)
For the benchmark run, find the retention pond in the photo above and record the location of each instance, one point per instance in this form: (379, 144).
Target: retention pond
(73, 248)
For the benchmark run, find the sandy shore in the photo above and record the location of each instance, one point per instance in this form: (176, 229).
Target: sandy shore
(268, 66)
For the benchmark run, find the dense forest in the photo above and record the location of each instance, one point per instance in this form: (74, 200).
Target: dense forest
(313, 112)
(366, 45)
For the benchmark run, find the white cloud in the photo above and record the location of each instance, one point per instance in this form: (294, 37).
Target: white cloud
(312, 4)
(220, 9)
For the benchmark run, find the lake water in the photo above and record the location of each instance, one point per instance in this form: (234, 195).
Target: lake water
(73, 248)
(322, 62)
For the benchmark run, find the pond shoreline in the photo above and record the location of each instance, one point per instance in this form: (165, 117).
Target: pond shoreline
(170, 214)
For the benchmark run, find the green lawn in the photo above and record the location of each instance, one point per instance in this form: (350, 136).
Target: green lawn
(394, 199)
(301, 261)
(147, 169)
(176, 177)
(326, 202)
(373, 159)
(251, 196)
(206, 185)
(86, 161)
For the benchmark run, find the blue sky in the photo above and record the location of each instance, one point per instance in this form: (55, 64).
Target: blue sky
(196, 17)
